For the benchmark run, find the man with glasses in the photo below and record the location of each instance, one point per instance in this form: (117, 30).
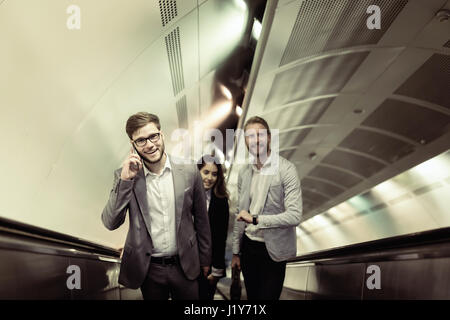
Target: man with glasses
(169, 240)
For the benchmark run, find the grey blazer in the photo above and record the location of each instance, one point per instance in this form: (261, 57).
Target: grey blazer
(192, 225)
(281, 213)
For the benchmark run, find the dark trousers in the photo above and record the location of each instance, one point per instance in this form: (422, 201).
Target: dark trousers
(263, 277)
(164, 281)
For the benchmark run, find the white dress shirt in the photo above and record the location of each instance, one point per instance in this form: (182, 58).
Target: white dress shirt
(161, 203)
(260, 179)
(208, 199)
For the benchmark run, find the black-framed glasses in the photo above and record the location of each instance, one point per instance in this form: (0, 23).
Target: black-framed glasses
(141, 142)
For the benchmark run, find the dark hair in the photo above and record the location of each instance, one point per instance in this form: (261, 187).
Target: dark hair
(220, 188)
(259, 120)
(139, 120)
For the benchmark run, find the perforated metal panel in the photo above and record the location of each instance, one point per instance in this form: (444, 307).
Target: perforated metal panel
(175, 62)
(431, 82)
(168, 10)
(323, 25)
(417, 123)
(336, 176)
(361, 165)
(377, 145)
(308, 80)
(447, 44)
(182, 113)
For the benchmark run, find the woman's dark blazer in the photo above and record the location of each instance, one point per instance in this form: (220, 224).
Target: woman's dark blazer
(218, 213)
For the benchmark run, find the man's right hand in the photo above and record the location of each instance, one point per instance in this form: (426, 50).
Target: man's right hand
(131, 166)
(236, 261)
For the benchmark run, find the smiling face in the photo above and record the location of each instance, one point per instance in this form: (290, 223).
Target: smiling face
(257, 140)
(209, 175)
(151, 152)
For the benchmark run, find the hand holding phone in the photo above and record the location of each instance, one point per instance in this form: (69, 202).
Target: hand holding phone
(131, 166)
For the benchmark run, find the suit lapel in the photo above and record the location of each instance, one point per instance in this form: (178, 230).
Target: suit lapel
(245, 189)
(265, 190)
(178, 188)
(140, 190)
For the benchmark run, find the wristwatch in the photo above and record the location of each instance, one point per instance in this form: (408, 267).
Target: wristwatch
(255, 220)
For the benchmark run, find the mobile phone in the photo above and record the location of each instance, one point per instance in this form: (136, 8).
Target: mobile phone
(133, 165)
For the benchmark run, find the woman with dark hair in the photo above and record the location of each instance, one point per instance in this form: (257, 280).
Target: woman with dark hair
(218, 211)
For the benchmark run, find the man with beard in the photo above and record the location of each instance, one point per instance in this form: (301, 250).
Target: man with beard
(169, 240)
(270, 208)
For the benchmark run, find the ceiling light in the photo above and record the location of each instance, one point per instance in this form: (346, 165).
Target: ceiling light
(256, 30)
(226, 92)
(239, 111)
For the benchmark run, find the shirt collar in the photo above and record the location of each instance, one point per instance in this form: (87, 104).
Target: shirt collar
(167, 166)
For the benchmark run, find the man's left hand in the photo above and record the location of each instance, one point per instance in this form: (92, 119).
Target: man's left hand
(245, 216)
(205, 271)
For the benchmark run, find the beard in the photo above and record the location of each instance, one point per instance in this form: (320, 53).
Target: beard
(146, 159)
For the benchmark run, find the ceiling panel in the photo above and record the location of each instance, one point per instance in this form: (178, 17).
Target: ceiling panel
(377, 145)
(431, 82)
(298, 114)
(323, 25)
(409, 120)
(321, 186)
(292, 138)
(359, 164)
(339, 177)
(313, 197)
(308, 205)
(307, 80)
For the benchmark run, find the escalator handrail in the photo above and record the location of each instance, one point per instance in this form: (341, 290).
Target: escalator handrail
(424, 238)
(23, 230)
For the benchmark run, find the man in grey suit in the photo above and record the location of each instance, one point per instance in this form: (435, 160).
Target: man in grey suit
(270, 208)
(169, 239)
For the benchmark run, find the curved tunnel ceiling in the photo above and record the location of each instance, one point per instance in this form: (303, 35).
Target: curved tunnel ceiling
(354, 106)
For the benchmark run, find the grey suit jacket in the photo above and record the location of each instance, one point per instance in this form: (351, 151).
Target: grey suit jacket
(281, 213)
(192, 225)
